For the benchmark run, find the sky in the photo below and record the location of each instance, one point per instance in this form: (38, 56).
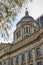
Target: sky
(35, 10)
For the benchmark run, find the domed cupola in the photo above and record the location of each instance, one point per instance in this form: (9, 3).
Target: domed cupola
(25, 27)
(27, 16)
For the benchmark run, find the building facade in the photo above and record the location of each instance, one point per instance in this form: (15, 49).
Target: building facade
(40, 21)
(27, 47)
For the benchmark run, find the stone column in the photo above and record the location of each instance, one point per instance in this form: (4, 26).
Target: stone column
(34, 56)
(26, 56)
(20, 59)
(14, 61)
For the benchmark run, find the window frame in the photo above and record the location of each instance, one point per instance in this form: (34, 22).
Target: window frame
(30, 54)
(38, 51)
(23, 57)
(26, 29)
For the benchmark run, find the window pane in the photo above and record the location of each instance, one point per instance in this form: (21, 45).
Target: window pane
(29, 30)
(26, 29)
(30, 54)
(12, 61)
(23, 57)
(38, 51)
(17, 59)
(4, 63)
(17, 35)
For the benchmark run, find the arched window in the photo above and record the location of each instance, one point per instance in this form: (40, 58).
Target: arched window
(17, 35)
(30, 54)
(38, 51)
(26, 30)
(17, 59)
(23, 57)
(12, 61)
(4, 63)
(0, 63)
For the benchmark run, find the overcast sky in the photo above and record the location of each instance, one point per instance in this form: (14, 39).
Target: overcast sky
(35, 10)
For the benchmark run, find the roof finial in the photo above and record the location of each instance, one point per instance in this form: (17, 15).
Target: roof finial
(26, 13)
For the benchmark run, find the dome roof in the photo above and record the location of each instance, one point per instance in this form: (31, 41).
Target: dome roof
(27, 17)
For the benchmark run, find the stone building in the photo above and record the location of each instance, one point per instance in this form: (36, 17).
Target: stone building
(27, 47)
(40, 21)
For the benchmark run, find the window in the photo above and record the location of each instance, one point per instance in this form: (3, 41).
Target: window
(26, 29)
(38, 51)
(12, 61)
(29, 30)
(23, 57)
(4, 63)
(39, 63)
(0, 63)
(17, 59)
(30, 54)
(17, 35)
(14, 37)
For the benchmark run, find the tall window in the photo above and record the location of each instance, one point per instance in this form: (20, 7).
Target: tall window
(4, 63)
(30, 54)
(26, 29)
(29, 30)
(17, 35)
(17, 59)
(23, 57)
(38, 51)
(12, 61)
(39, 63)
